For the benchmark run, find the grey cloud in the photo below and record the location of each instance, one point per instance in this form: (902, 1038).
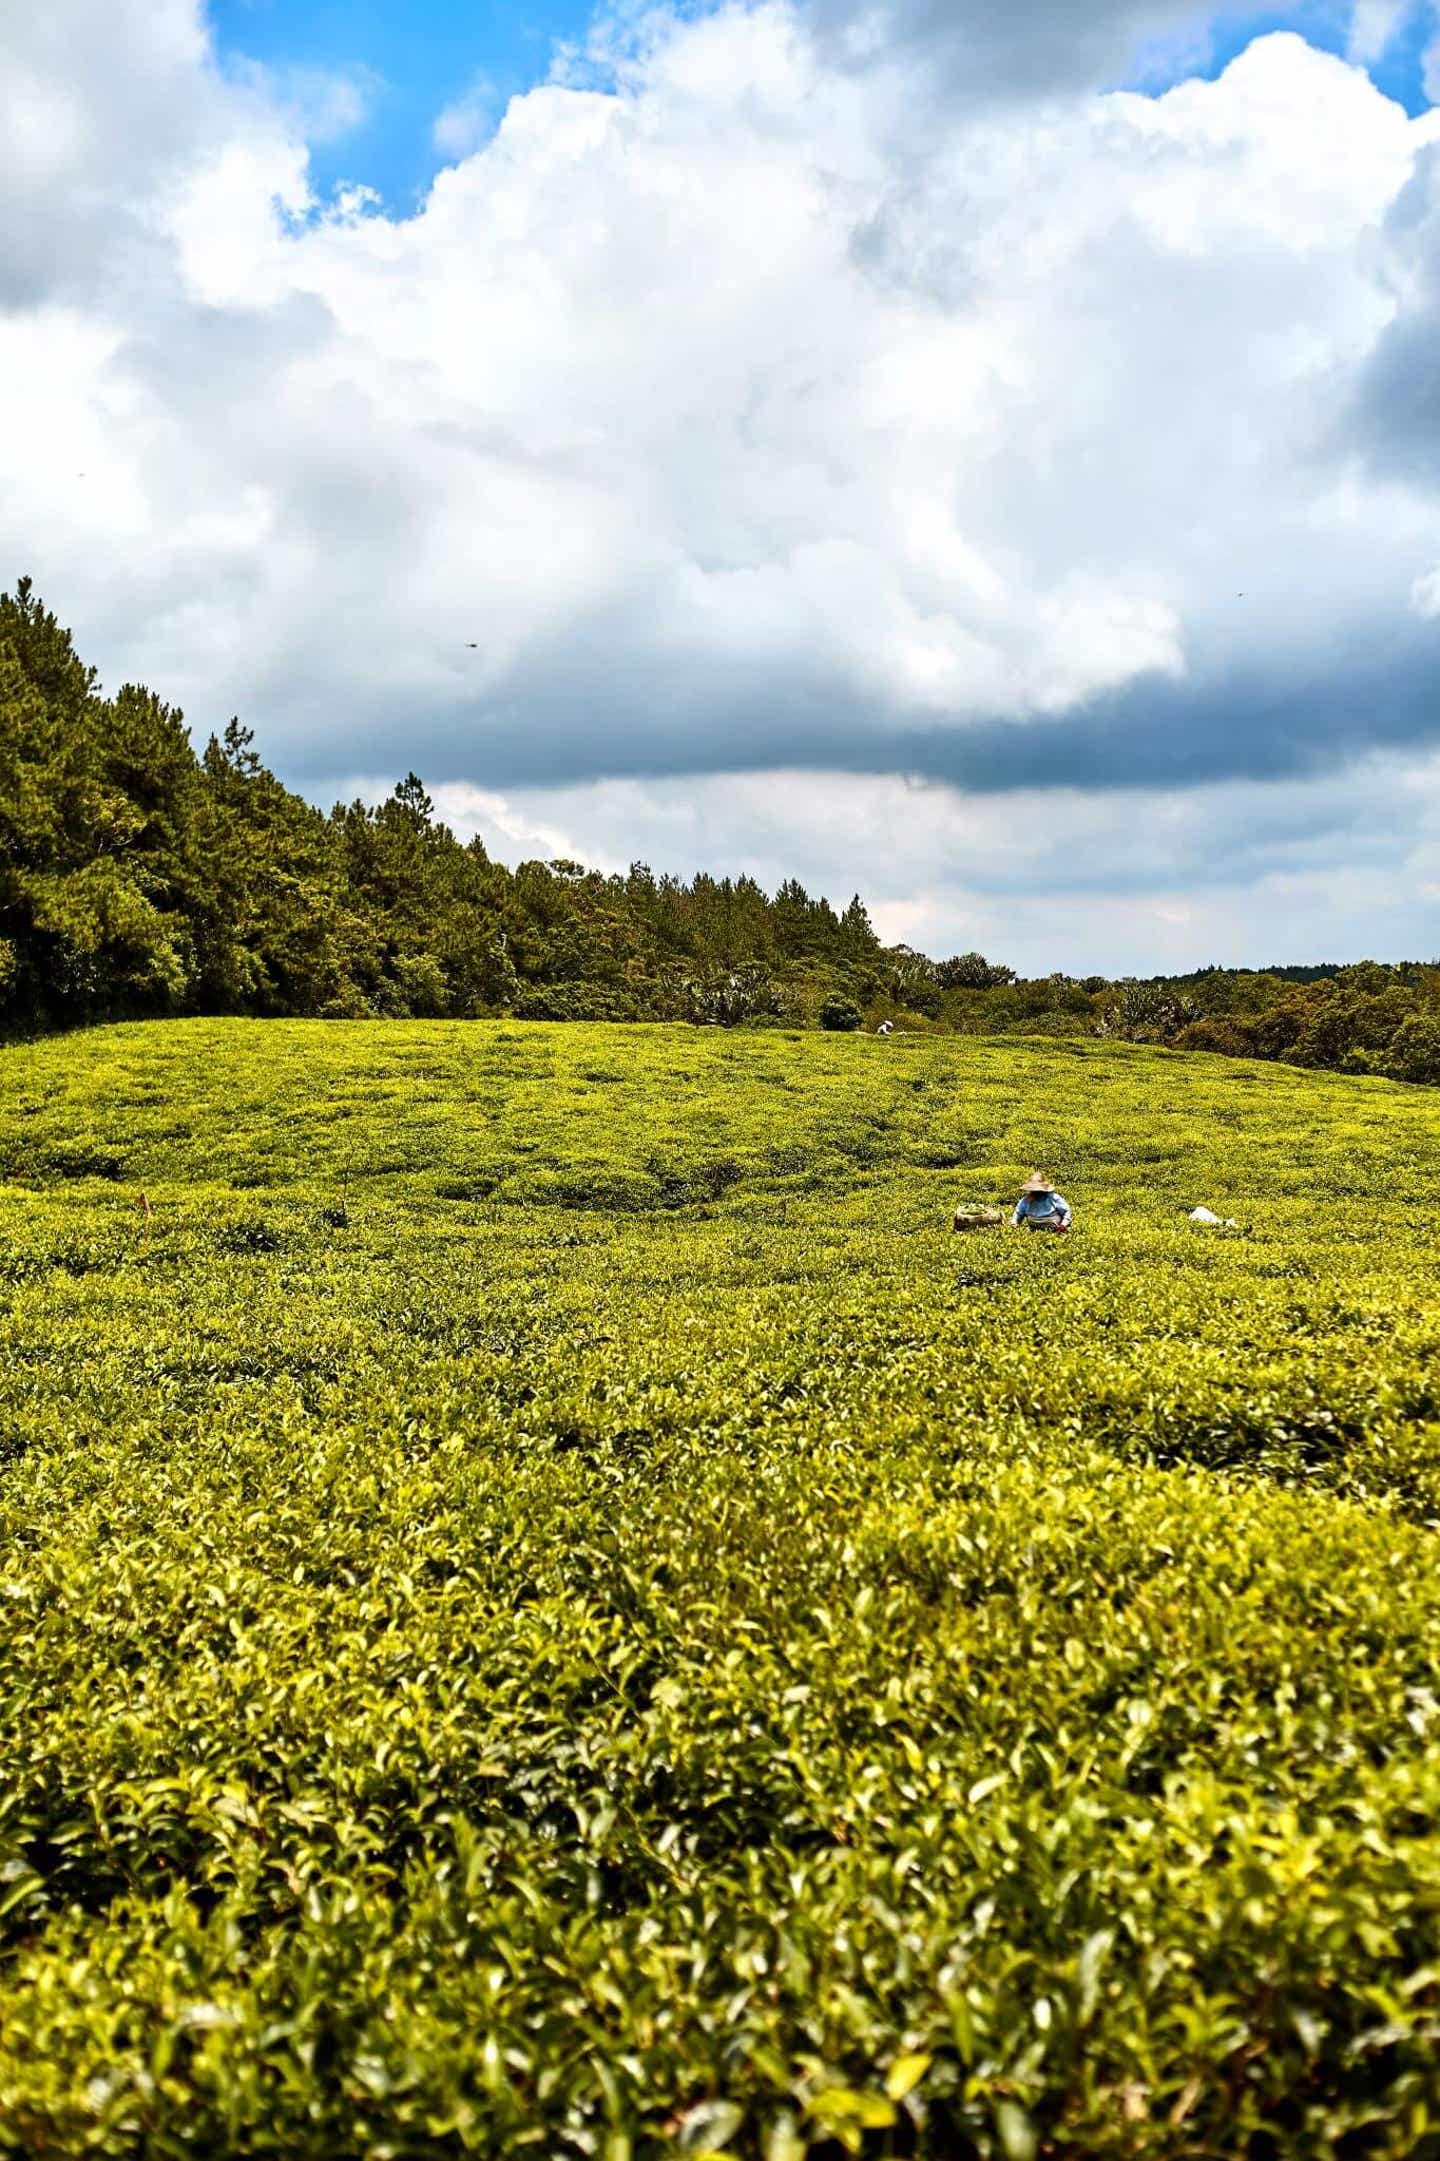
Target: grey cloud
(592, 721)
(100, 107)
(1399, 411)
(1021, 49)
(203, 365)
(1237, 728)
(1395, 417)
(1025, 49)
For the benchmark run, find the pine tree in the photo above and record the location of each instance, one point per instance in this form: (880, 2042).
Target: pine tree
(90, 914)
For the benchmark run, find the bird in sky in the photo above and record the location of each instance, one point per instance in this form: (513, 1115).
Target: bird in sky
(471, 646)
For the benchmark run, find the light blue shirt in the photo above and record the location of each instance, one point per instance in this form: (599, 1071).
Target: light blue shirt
(1041, 1208)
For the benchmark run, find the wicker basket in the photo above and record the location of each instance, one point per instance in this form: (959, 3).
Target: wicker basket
(977, 1219)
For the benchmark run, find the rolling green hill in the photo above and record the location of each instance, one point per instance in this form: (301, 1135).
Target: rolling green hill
(551, 1606)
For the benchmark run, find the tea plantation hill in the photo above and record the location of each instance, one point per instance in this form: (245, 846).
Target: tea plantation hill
(551, 1607)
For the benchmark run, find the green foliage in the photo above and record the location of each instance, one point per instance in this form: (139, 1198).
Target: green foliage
(725, 997)
(840, 1015)
(1362, 1019)
(1413, 1051)
(91, 796)
(249, 1234)
(971, 971)
(492, 1668)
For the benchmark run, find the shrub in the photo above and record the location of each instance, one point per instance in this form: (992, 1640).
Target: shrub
(616, 1192)
(971, 971)
(416, 985)
(726, 997)
(840, 1015)
(249, 1234)
(1223, 1035)
(1149, 1013)
(1413, 1053)
(684, 1183)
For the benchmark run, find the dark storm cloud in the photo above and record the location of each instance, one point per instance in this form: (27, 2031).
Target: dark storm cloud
(1178, 736)
(1153, 735)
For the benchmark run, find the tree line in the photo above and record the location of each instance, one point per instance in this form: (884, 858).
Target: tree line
(140, 877)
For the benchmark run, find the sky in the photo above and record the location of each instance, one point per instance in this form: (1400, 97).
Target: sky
(985, 459)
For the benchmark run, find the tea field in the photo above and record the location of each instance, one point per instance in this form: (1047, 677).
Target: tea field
(549, 1606)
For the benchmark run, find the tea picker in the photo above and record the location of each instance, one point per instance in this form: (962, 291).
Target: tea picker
(1041, 1208)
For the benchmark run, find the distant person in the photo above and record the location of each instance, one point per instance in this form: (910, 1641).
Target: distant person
(1041, 1208)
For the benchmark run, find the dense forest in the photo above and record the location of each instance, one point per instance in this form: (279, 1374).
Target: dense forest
(138, 878)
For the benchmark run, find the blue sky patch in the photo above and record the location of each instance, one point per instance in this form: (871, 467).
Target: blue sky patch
(417, 56)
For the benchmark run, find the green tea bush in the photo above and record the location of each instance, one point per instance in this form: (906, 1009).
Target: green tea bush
(81, 1159)
(249, 1234)
(668, 1650)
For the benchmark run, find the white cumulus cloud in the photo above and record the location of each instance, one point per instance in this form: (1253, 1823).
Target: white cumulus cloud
(736, 424)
